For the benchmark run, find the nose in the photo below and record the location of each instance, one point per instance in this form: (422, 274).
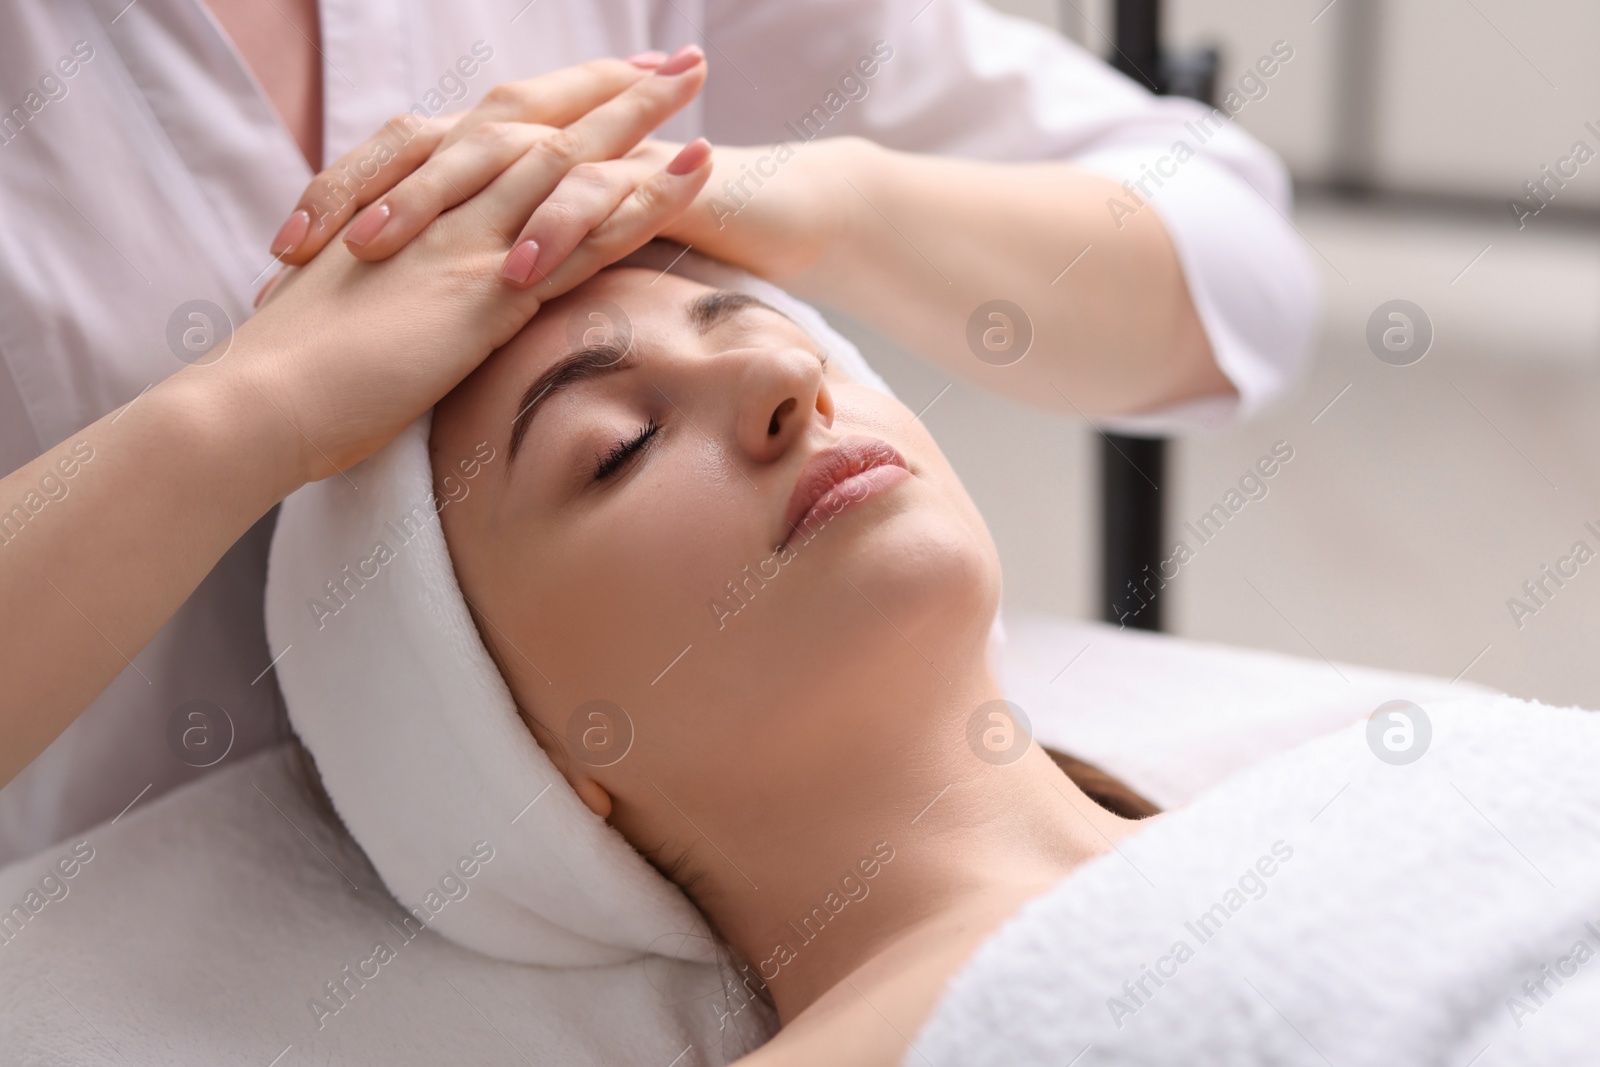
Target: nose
(780, 394)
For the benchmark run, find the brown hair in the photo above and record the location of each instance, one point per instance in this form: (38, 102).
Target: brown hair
(1105, 789)
(303, 768)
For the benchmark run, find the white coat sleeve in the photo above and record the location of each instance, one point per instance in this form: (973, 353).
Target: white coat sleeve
(961, 79)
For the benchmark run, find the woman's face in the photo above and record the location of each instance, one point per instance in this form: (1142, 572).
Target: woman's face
(678, 624)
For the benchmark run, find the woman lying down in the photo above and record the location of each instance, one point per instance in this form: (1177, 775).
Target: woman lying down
(699, 644)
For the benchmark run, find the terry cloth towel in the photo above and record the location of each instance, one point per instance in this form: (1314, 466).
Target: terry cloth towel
(415, 733)
(1324, 907)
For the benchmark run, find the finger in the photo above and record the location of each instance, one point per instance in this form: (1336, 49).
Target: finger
(585, 198)
(354, 180)
(378, 164)
(559, 98)
(449, 178)
(637, 220)
(607, 132)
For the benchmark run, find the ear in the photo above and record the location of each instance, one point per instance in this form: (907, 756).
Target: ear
(593, 794)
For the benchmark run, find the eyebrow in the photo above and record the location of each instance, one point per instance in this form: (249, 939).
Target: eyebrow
(709, 310)
(705, 313)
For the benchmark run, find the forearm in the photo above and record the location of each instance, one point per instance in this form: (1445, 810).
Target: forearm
(925, 241)
(103, 538)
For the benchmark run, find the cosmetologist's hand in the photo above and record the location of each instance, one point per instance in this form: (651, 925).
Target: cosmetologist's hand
(349, 352)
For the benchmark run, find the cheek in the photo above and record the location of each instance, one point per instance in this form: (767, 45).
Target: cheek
(862, 409)
(635, 577)
(941, 551)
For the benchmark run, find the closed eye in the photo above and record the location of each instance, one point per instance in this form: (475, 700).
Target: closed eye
(623, 452)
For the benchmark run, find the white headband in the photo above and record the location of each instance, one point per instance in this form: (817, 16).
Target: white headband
(416, 736)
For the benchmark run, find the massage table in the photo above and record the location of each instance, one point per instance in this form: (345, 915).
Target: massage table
(229, 922)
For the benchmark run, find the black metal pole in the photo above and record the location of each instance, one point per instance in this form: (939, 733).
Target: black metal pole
(1138, 42)
(1133, 469)
(1132, 524)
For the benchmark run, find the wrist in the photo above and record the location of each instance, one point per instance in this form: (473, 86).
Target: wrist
(228, 417)
(782, 212)
(846, 174)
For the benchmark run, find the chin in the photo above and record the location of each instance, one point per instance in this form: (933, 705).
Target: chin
(937, 578)
(930, 569)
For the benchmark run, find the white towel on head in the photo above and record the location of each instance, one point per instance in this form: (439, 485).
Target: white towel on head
(415, 733)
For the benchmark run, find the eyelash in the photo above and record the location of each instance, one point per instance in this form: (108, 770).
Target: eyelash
(623, 451)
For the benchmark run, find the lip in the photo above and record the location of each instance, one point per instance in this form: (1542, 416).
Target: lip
(851, 471)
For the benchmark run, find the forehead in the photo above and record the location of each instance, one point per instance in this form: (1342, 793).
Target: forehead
(614, 311)
(613, 303)
(621, 298)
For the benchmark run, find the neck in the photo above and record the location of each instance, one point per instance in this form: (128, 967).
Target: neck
(890, 850)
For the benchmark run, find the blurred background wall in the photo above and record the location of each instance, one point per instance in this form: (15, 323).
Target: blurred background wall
(1420, 498)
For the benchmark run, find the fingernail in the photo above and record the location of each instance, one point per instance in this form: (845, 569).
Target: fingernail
(689, 159)
(518, 267)
(368, 226)
(648, 60)
(291, 233)
(681, 60)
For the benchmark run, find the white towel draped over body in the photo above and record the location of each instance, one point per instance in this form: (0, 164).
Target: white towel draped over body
(1323, 907)
(416, 736)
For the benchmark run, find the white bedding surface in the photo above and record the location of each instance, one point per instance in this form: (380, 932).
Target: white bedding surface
(206, 922)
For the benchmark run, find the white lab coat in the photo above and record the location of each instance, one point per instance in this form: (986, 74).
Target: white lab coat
(142, 167)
